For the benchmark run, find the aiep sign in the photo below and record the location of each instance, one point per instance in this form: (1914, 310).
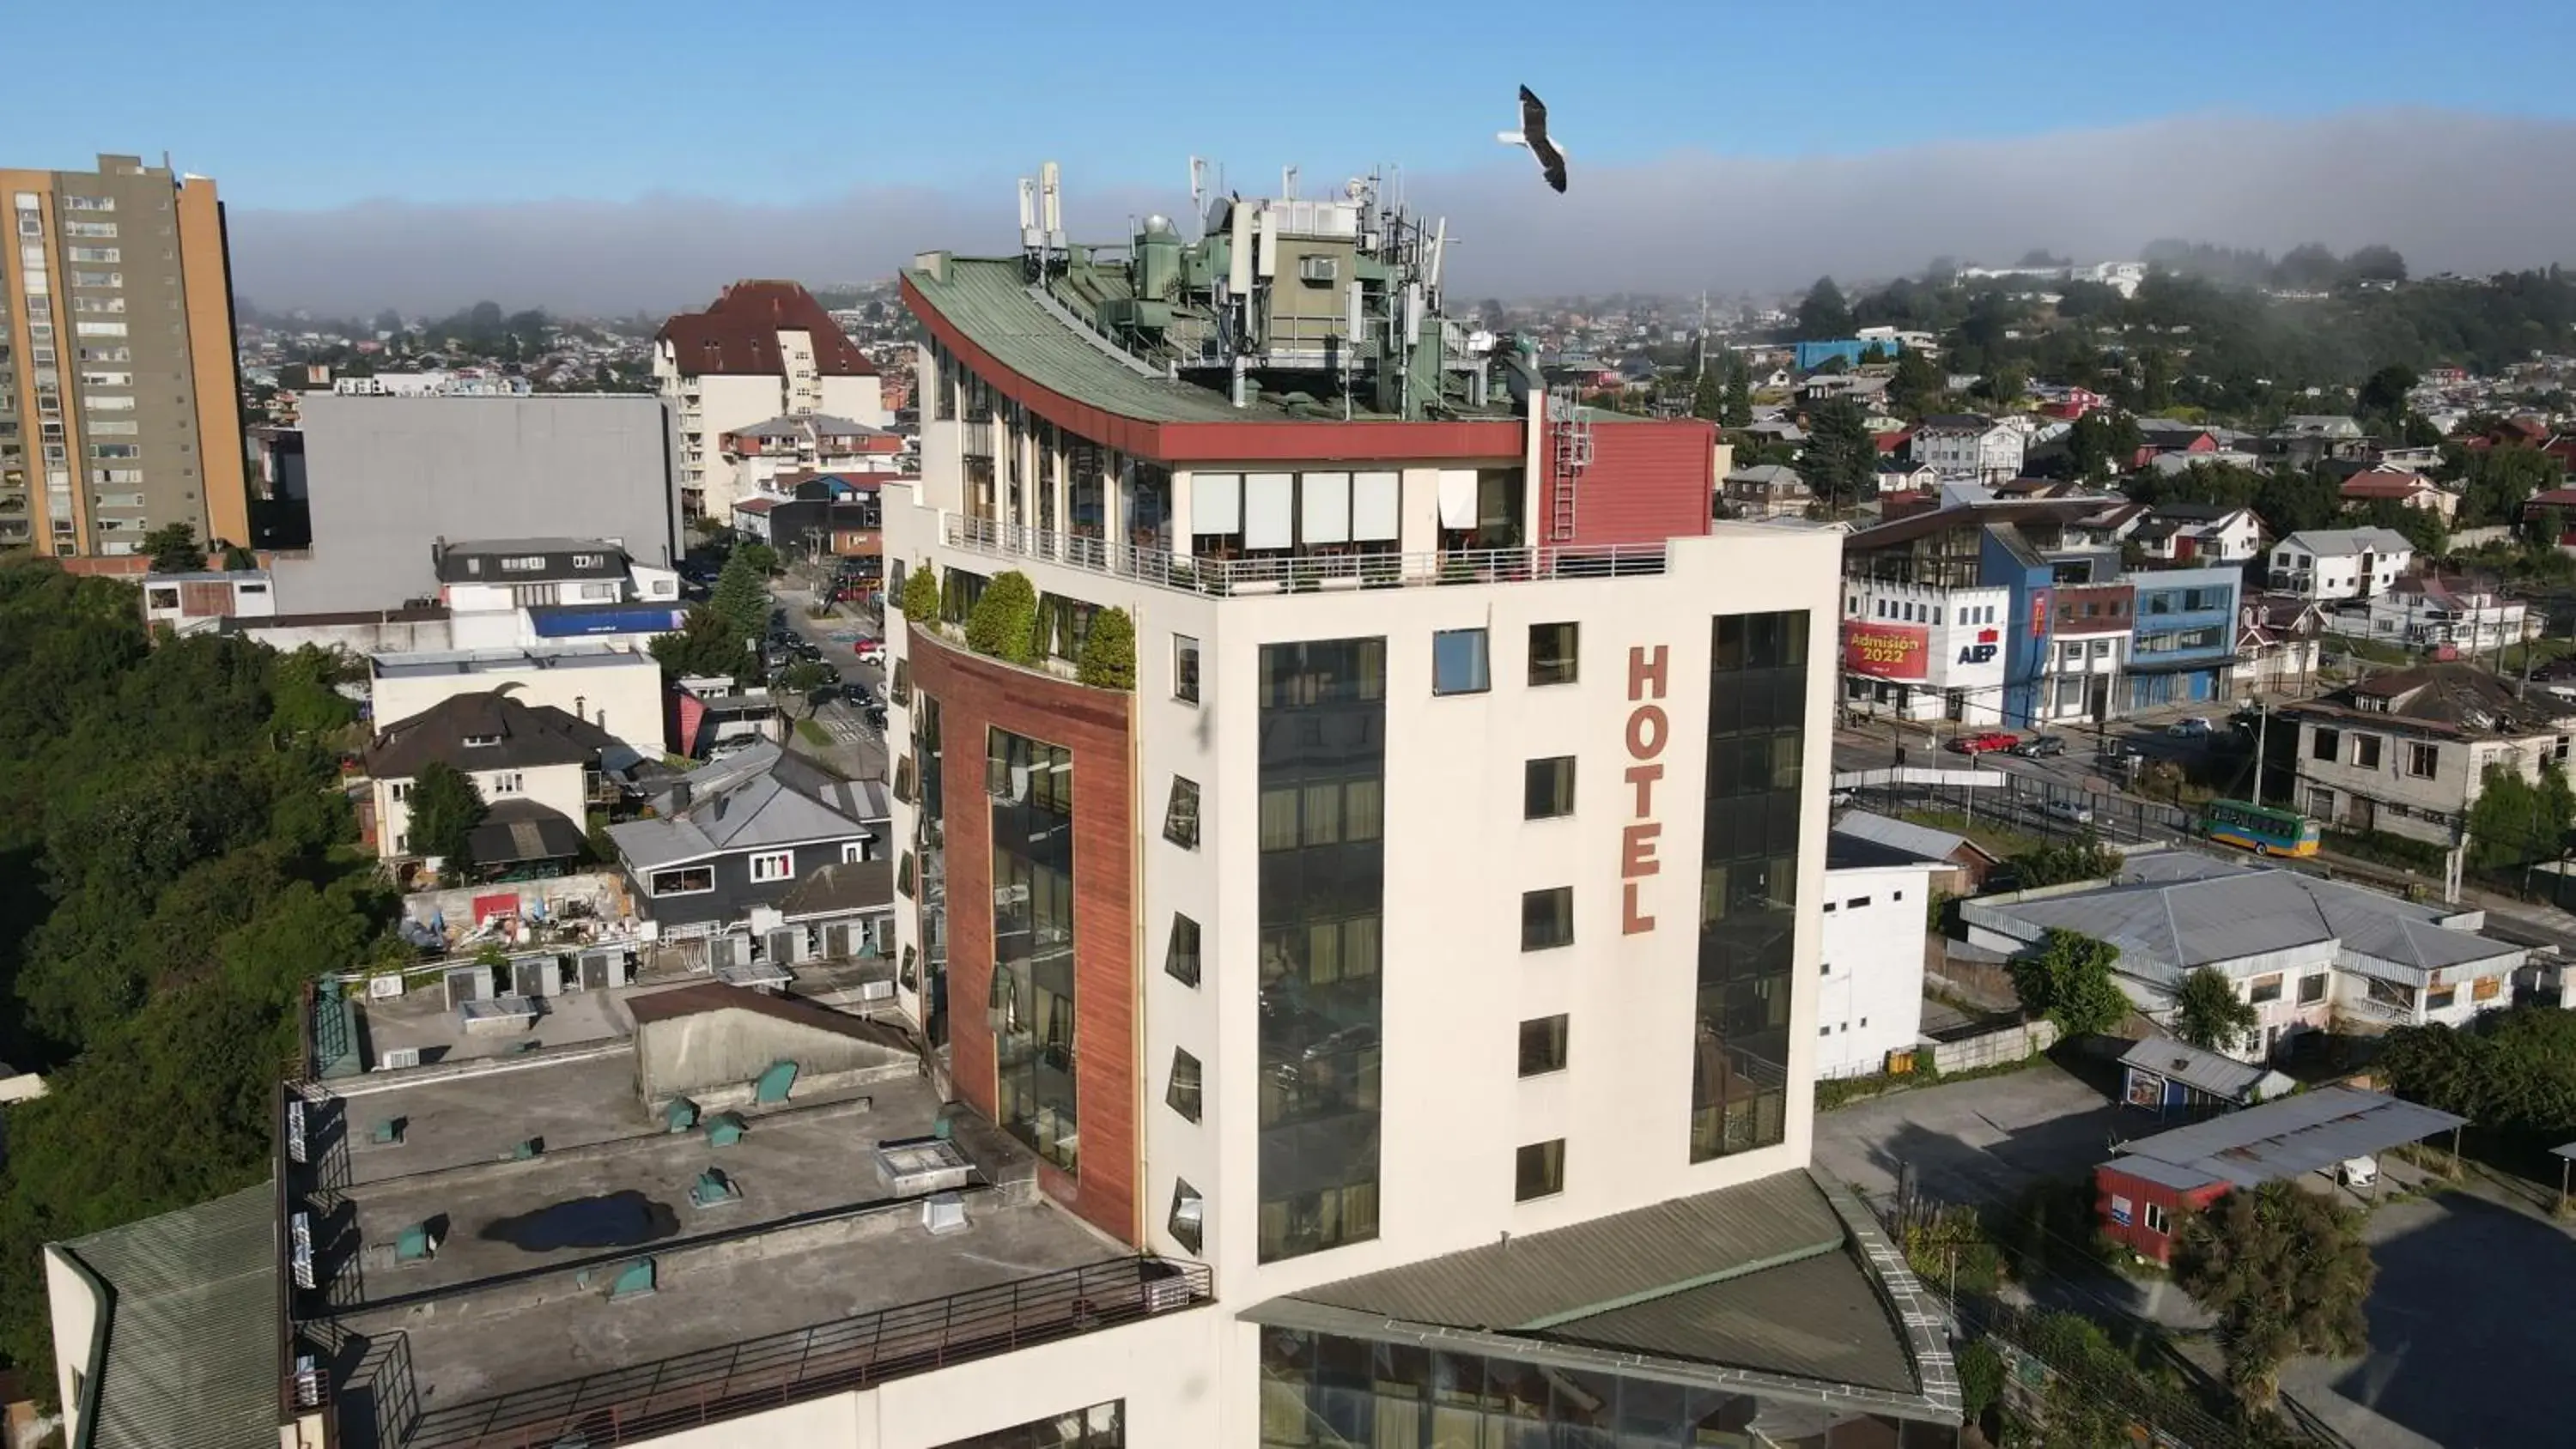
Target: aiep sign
(1887, 651)
(1649, 730)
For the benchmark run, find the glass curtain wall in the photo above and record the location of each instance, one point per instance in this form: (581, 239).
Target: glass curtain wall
(1032, 1000)
(1323, 772)
(929, 831)
(1757, 718)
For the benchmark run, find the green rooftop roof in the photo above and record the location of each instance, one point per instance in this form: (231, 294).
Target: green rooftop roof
(191, 1353)
(985, 299)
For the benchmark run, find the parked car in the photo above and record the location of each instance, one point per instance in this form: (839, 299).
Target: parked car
(2189, 727)
(2040, 747)
(1985, 742)
(871, 651)
(2069, 811)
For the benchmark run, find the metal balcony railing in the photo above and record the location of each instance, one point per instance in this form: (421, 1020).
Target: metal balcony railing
(649, 1400)
(1298, 573)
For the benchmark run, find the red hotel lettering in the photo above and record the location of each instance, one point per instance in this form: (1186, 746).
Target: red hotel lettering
(1648, 730)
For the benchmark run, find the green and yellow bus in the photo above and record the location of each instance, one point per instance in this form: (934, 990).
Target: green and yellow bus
(2258, 828)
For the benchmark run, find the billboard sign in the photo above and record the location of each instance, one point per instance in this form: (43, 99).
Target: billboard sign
(1887, 651)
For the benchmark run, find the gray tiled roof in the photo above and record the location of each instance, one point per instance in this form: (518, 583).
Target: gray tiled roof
(192, 1330)
(762, 796)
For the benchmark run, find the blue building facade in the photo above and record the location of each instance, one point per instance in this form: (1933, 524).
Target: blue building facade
(1852, 350)
(2182, 648)
(2005, 559)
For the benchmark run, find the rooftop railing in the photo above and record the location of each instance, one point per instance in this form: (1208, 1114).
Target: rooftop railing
(1302, 572)
(644, 1402)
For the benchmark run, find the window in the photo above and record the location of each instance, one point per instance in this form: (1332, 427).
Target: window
(1102, 1426)
(1181, 815)
(100, 230)
(2326, 745)
(1188, 1221)
(1185, 668)
(2159, 1221)
(1552, 653)
(2265, 989)
(774, 865)
(1458, 662)
(2365, 751)
(903, 875)
(507, 782)
(1547, 789)
(2312, 988)
(1543, 1045)
(2440, 998)
(690, 881)
(2486, 988)
(1540, 1171)
(853, 852)
(1547, 918)
(1182, 1095)
(1857, 903)
(1181, 957)
(2423, 761)
(481, 742)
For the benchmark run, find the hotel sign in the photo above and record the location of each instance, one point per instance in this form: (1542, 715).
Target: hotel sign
(1649, 730)
(1887, 651)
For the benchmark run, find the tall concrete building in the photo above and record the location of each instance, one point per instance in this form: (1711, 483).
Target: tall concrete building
(763, 351)
(119, 409)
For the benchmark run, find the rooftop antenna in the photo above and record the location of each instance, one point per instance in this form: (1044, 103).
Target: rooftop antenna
(1051, 201)
(1288, 183)
(1030, 237)
(1431, 265)
(1198, 191)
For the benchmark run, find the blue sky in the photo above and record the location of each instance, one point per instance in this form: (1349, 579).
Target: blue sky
(306, 107)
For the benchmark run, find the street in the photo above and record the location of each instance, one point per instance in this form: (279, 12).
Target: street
(856, 751)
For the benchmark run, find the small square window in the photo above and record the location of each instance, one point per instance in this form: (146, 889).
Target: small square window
(1185, 668)
(1552, 653)
(776, 865)
(1540, 1170)
(1183, 1094)
(2312, 989)
(1181, 957)
(1181, 815)
(1459, 663)
(1547, 918)
(2159, 1221)
(1548, 788)
(1543, 1045)
(2264, 989)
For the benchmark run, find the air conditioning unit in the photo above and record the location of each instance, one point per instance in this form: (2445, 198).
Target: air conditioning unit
(876, 991)
(1319, 269)
(381, 987)
(398, 1058)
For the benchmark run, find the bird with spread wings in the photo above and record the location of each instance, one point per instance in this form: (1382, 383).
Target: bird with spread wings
(1533, 137)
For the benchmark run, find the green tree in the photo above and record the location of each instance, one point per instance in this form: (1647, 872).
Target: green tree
(2156, 380)
(762, 558)
(2083, 858)
(1109, 651)
(2209, 1014)
(920, 601)
(797, 683)
(1917, 384)
(1708, 395)
(2515, 821)
(446, 805)
(741, 594)
(1840, 460)
(706, 645)
(1004, 621)
(1738, 411)
(173, 549)
(2286, 1272)
(2068, 980)
(2496, 482)
(2382, 399)
(1824, 316)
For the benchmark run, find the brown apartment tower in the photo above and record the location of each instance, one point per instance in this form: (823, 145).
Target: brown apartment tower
(119, 410)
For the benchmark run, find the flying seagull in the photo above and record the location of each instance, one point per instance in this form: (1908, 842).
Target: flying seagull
(1533, 136)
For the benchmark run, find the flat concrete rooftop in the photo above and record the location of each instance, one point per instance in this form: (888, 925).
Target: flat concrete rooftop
(816, 1235)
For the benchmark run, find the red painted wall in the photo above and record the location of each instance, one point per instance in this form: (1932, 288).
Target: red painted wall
(2134, 1235)
(1649, 481)
(975, 694)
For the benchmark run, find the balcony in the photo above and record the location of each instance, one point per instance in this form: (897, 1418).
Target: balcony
(1300, 573)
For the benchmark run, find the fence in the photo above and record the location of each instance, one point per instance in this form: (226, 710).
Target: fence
(647, 1401)
(1994, 1048)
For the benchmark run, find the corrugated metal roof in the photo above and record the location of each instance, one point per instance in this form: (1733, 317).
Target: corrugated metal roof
(986, 299)
(2299, 1134)
(1552, 1277)
(192, 1333)
(2202, 1071)
(2163, 1174)
(1905, 835)
(1819, 1318)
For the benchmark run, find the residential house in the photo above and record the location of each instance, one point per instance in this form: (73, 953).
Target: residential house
(2301, 950)
(1970, 448)
(537, 767)
(2278, 643)
(1766, 490)
(2183, 645)
(2314, 438)
(2167, 465)
(1774, 430)
(1869, 992)
(2199, 534)
(2443, 614)
(2145, 1193)
(505, 593)
(759, 456)
(2406, 751)
(2402, 487)
(742, 834)
(614, 685)
(191, 603)
(1867, 391)
(1896, 475)
(1959, 865)
(2340, 563)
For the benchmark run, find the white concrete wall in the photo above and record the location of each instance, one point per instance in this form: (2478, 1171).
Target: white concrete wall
(623, 697)
(76, 1309)
(860, 399)
(557, 787)
(1869, 975)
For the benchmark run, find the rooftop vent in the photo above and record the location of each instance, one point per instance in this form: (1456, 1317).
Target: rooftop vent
(913, 1166)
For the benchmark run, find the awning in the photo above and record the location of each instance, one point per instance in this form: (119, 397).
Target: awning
(522, 830)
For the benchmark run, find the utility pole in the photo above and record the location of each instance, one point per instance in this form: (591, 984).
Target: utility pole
(2262, 738)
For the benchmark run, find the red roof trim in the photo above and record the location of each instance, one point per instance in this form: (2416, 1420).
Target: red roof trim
(1245, 442)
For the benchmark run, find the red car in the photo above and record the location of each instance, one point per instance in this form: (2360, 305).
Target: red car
(1990, 740)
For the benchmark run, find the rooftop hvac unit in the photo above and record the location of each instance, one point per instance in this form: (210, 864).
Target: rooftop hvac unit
(1163, 1294)
(876, 991)
(398, 1058)
(380, 987)
(912, 1166)
(943, 1212)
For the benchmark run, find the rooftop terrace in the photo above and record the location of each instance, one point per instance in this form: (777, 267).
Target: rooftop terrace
(804, 1268)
